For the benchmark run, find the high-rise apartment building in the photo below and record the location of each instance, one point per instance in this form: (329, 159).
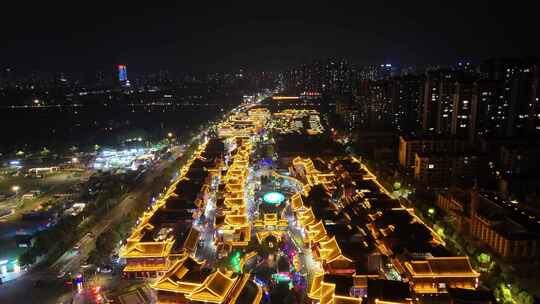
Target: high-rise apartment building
(437, 100)
(374, 100)
(409, 146)
(464, 110)
(514, 109)
(407, 96)
(534, 109)
(330, 77)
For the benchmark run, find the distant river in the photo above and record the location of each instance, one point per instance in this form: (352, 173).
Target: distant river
(31, 128)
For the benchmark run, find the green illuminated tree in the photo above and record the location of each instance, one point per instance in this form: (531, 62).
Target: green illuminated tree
(524, 298)
(235, 261)
(45, 152)
(484, 258)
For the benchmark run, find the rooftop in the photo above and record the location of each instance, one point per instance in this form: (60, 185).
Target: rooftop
(387, 290)
(441, 267)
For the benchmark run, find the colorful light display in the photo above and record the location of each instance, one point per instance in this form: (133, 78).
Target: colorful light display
(273, 198)
(235, 262)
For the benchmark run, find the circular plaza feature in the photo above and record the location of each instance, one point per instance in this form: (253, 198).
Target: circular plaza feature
(273, 198)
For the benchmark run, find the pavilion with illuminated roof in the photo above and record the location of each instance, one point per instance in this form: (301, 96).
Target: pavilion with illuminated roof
(187, 282)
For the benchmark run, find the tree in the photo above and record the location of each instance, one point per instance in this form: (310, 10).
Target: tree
(123, 228)
(44, 243)
(105, 244)
(44, 152)
(27, 258)
(107, 241)
(524, 298)
(94, 257)
(506, 294)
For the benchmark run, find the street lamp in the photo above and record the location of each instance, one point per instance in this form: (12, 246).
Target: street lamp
(16, 189)
(170, 134)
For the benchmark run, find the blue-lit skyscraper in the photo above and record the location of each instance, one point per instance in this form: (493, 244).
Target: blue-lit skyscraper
(122, 73)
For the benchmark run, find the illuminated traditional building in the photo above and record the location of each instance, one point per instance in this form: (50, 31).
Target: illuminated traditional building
(350, 289)
(325, 249)
(297, 121)
(259, 116)
(232, 226)
(271, 221)
(186, 282)
(262, 235)
(311, 174)
(437, 274)
(236, 231)
(296, 202)
(185, 276)
(332, 289)
(239, 125)
(368, 223)
(163, 232)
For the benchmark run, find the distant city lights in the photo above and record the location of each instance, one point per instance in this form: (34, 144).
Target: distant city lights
(130, 159)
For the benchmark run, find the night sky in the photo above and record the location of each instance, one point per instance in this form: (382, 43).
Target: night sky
(263, 35)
